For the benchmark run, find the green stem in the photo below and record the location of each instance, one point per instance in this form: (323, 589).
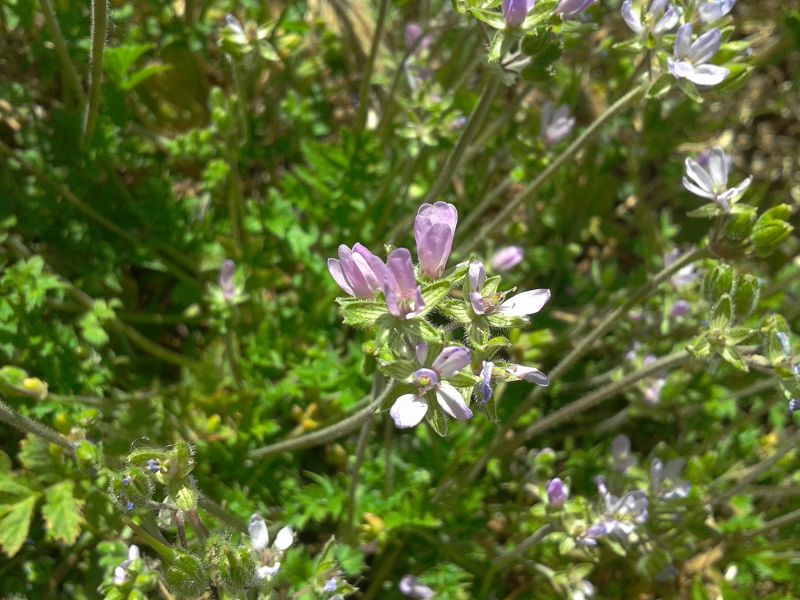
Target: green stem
(73, 81)
(777, 523)
(99, 25)
(455, 157)
(504, 214)
(165, 551)
(512, 555)
(326, 435)
(358, 460)
(11, 417)
(363, 94)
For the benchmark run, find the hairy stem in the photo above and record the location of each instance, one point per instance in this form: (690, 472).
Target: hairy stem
(99, 25)
(504, 214)
(71, 78)
(11, 417)
(326, 435)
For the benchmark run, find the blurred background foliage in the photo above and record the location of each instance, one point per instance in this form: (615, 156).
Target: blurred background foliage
(212, 144)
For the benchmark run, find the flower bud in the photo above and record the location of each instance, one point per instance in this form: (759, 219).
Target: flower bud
(133, 486)
(236, 567)
(745, 295)
(739, 225)
(185, 575)
(717, 281)
(771, 229)
(557, 493)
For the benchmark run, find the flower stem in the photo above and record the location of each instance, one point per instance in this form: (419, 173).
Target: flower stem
(73, 81)
(99, 24)
(326, 435)
(526, 194)
(361, 452)
(11, 417)
(363, 94)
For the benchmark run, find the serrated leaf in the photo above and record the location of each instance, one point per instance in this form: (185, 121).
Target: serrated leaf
(364, 313)
(433, 295)
(15, 522)
(11, 489)
(421, 329)
(62, 513)
(494, 345)
(398, 369)
(455, 310)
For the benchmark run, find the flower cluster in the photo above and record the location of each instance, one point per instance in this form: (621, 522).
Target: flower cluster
(436, 377)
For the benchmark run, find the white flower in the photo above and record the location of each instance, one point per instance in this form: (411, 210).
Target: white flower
(524, 304)
(713, 11)
(712, 182)
(691, 60)
(259, 540)
(659, 18)
(121, 572)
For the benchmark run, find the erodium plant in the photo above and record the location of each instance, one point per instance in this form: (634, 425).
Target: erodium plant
(561, 361)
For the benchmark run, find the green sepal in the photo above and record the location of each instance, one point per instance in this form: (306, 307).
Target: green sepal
(718, 281)
(699, 347)
(139, 458)
(186, 575)
(688, 88)
(771, 229)
(437, 419)
(660, 87)
(745, 294)
(182, 493)
(739, 223)
(494, 345)
(478, 332)
(491, 285)
(712, 209)
(736, 335)
(504, 322)
(731, 355)
(722, 315)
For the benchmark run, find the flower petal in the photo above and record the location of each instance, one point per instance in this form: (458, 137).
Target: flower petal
(451, 360)
(696, 190)
(700, 176)
(476, 276)
(284, 539)
(408, 410)
(259, 536)
(718, 168)
(525, 303)
(632, 17)
(670, 19)
(683, 41)
(529, 374)
(708, 75)
(335, 269)
(705, 47)
(452, 402)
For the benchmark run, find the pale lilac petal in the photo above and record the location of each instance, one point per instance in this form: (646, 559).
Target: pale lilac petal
(284, 539)
(718, 168)
(697, 191)
(400, 271)
(451, 360)
(452, 402)
(515, 11)
(507, 258)
(478, 303)
(477, 276)
(683, 41)
(715, 10)
(708, 75)
(421, 352)
(408, 411)
(335, 269)
(732, 195)
(681, 69)
(529, 374)
(705, 47)
(259, 536)
(526, 303)
(352, 273)
(669, 21)
(133, 553)
(572, 8)
(657, 7)
(120, 576)
(375, 264)
(699, 175)
(632, 17)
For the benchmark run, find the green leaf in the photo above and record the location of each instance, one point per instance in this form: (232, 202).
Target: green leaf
(398, 369)
(732, 356)
(183, 494)
(421, 329)
(144, 74)
(118, 61)
(455, 309)
(433, 295)
(506, 322)
(363, 313)
(712, 209)
(11, 489)
(463, 379)
(15, 521)
(62, 513)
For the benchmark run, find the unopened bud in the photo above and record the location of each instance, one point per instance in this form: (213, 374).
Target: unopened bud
(557, 493)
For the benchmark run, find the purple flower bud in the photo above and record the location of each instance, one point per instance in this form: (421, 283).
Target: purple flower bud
(507, 258)
(794, 405)
(411, 587)
(403, 295)
(434, 229)
(485, 386)
(421, 352)
(226, 273)
(451, 360)
(476, 275)
(557, 493)
(555, 125)
(515, 11)
(572, 8)
(529, 374)
(153, 466)
(680, 309)
(358, 271)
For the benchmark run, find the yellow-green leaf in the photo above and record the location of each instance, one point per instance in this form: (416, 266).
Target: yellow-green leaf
(15, 521)
(62, 513)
